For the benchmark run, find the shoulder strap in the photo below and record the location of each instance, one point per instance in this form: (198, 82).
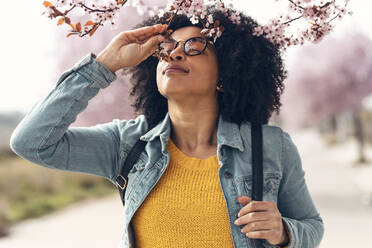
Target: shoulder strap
(257, 170)
(122, 178)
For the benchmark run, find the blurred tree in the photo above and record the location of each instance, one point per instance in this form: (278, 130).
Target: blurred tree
(113, 101)
(328, 79)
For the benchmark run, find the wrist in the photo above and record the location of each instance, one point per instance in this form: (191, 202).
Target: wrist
(285, 236)
(102, 58)
(284, 242)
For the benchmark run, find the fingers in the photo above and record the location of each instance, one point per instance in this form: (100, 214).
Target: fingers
(259, 226)
(256, 206)
(252, 217)
(145, 33)
(147, 36)
(262, 234)
(261, 220)
(244, 200)
(140, 35)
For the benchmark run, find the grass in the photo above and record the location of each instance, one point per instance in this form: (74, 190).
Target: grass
(28, 190)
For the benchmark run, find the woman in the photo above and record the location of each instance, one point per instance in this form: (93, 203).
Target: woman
(191, 186)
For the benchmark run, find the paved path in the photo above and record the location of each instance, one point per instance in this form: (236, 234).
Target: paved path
(92, 224)
(333, 183)
(336, 188)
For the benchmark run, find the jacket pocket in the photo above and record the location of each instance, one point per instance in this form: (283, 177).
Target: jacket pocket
(243, 186)
(134, 176)
(271, 183)
(137, 167)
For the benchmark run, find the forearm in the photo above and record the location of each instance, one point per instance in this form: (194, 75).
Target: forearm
(295, 204)
(105, 60)
(301, 233)
(48, 120)
(306, 233)
(286, 235)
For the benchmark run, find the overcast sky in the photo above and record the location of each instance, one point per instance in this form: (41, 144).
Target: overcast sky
(28, 43)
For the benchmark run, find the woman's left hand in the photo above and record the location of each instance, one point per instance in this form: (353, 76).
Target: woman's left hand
(263, 221)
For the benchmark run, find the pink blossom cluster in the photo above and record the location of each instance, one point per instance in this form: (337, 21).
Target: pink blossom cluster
(316, 16)
(105, 11)
(101, 11)
(194, 9)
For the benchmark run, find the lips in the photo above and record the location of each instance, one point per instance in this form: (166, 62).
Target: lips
(175, 68)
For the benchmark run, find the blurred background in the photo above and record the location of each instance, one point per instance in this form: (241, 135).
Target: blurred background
(327, 110)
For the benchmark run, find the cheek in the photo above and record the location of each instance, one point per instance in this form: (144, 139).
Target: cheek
(158, 70)
(158, 73)
(212, 69)
(211, 66)
(215, 64)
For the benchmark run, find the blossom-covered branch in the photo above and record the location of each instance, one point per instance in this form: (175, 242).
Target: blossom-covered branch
(317, 14)
(101, 14)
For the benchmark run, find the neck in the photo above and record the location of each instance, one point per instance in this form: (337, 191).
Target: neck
(194, 128)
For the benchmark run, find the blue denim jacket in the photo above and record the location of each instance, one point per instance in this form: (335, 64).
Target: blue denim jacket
(45, 138)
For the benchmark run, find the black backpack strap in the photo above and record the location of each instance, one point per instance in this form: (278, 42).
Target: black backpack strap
(257, 170)
(122, 178)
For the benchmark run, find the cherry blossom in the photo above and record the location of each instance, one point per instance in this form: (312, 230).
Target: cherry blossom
(317, 17)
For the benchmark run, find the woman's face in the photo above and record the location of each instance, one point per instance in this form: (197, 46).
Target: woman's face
(202, 76)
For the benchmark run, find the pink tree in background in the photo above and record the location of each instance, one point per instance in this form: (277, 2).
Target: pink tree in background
(330, 78)
(80, 18)
(113, 101)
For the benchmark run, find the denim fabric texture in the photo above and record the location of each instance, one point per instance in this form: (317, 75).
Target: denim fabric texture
(45, 138)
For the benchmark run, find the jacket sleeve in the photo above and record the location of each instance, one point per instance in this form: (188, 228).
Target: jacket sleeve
(299, 214)
(298, 210)
(45, 138)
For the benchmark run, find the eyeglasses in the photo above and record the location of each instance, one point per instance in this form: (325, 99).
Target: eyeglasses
(192, 46)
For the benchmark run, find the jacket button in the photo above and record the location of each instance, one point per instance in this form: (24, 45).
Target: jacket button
(227, 174)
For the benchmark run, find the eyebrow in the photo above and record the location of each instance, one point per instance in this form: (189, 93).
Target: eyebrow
(186, 38)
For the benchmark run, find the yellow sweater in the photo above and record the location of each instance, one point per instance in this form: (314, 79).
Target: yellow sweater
(186, 207)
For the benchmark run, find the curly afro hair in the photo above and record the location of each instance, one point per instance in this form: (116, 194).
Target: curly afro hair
(250, 69)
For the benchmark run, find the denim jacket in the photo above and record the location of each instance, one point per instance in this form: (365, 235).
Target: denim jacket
(45, 138)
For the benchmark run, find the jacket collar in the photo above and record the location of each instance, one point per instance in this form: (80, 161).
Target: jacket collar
(228, 133)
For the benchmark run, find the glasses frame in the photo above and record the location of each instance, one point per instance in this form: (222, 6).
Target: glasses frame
(184, 42)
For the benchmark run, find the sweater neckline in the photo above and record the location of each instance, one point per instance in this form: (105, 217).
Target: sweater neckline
(191, 162)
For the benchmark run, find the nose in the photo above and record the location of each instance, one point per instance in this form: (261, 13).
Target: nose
(177, 53)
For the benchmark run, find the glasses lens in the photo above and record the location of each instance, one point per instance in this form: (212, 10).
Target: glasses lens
(193, 46)
(167, 46)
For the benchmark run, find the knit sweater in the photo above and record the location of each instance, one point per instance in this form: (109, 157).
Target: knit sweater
(186, 208)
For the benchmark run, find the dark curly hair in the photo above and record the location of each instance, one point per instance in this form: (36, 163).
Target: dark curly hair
(250, 69)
